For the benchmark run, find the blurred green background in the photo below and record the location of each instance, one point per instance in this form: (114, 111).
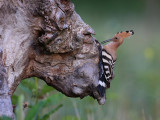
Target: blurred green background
(135, 91)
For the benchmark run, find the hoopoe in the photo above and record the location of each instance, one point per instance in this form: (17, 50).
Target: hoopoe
(108, 56)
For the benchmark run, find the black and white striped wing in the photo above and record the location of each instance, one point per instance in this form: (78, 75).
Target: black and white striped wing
(107, 62)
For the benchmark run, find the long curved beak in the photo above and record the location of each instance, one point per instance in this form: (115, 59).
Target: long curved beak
(106, 41)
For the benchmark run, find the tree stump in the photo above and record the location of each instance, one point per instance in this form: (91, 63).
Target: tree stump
(49, 40)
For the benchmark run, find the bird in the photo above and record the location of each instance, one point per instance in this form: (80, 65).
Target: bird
(107, 59)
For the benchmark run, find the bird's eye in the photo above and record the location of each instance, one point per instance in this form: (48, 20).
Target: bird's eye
(116, 38)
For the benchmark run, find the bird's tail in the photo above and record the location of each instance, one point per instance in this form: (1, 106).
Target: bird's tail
(101, 88)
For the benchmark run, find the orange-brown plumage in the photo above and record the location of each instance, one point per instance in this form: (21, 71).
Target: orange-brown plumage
(116, 41)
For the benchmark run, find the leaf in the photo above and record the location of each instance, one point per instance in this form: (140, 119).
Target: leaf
(19, 109)
(33, 112)
(53, 99)
(29, 83)
(46, 89)
(25, 89)
(14, 99)
(38, 107)
(46, 116)
(5, 118)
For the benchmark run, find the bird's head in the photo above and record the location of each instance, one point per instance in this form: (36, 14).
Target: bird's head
(119, 37)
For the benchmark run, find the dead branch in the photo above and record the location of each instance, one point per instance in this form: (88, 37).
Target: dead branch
(49, 40)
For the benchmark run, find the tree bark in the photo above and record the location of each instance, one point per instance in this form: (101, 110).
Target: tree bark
(5, 100)
(49, 40)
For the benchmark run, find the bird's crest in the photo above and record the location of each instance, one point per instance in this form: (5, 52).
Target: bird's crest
(124, 34)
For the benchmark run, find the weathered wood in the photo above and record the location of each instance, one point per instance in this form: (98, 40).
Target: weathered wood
(5, 99)
(49, 40)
